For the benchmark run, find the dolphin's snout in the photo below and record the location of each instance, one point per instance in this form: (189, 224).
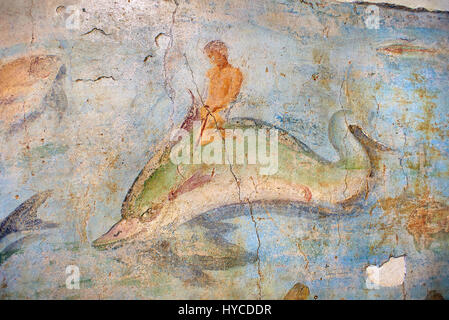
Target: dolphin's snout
(122, 230)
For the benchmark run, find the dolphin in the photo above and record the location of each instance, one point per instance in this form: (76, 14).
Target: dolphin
(24, 90)
(24, 217)
(165, 195)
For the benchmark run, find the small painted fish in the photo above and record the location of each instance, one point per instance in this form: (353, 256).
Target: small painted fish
(401, 49)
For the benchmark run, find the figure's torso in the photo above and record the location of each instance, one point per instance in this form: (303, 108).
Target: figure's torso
(221, 83)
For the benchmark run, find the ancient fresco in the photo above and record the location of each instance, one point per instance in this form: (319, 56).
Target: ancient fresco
(223, 150)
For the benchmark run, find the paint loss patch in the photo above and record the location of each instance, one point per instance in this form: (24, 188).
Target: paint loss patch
(390, 274)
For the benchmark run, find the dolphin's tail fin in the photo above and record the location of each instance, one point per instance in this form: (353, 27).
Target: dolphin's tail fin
(374, 148)
(37, 224)
(24, 217)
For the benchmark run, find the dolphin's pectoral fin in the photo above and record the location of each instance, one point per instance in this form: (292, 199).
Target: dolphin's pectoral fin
(196, 180)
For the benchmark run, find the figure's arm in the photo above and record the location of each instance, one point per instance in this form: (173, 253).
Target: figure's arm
(209, 100)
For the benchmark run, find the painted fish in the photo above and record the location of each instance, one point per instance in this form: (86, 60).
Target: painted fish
(404, 49)
(165, 195)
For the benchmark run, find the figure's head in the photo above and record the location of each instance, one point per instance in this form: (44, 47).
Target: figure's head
(217, 52)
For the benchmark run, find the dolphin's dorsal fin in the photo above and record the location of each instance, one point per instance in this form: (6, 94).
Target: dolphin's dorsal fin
(291, 140)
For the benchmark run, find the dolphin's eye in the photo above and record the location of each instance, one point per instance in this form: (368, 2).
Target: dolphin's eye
(147, 212)
(118, 232)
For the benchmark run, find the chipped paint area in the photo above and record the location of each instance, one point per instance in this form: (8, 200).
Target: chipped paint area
(390, 274)
(90, 92)
(433, 5)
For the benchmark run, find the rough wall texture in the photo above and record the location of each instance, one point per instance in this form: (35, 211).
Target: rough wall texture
(90, 89)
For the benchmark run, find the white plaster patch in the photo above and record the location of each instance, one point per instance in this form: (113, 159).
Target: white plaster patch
(389, 274)
(432, 5)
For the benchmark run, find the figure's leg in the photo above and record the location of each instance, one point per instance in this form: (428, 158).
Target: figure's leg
(213, 122)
